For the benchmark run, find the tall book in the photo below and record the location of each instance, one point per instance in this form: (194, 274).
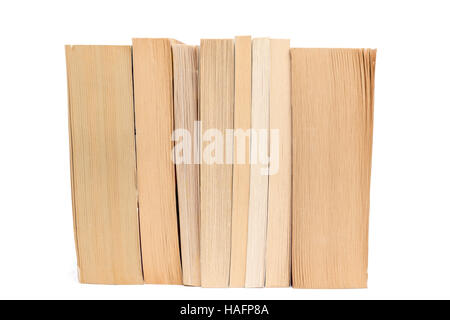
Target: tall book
(241, 164)
(153, 96)
(216, 113)
(103, 164)
(278, 251)
(185, 68)
(259, 180)
(332, 121)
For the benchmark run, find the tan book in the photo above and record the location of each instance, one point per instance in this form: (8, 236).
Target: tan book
(103, 164)
(278, 252)
(257, 216)
(216, 113)
(153, 95)
(241, 165)
(185, 68)
(332, 121)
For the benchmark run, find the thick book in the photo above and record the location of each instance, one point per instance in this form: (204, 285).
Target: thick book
(259, 179)
(278, 246)
(103, 164)
(241, 164)
(185, 80)
(153, 97)
(332, 122)
(216, 67)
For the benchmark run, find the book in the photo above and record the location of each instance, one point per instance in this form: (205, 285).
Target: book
(332, 122)
(259, 181)
(216, 68)
(241, 164)
(103, 164)
(278, 251)
(153, 97)
(185, 79)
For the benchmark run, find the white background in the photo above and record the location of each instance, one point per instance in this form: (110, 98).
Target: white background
(410, 211)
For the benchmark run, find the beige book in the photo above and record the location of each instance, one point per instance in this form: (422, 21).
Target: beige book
(103, 164)
(241, 165)
(332, 121)
(185, 67)
(257, 216)
(153, 95)
(278, 252)
(216, 112)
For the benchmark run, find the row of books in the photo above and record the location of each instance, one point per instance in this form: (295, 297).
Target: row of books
(237, 163)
